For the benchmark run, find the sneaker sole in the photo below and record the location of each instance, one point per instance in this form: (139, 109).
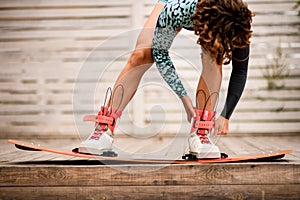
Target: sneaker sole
(86, 150)
(208, 155)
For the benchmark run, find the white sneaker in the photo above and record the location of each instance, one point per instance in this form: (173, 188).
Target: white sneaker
(202, 147)
(99, 141)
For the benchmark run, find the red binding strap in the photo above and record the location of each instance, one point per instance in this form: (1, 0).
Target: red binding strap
(106, 116)
(99, 119)
(105, 120)
(204, 120)
(204, 124)
(90, 118)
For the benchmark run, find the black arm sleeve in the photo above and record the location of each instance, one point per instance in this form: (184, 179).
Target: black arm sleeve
(240, 59)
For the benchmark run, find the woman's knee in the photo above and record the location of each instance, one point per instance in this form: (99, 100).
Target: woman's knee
(141, 57)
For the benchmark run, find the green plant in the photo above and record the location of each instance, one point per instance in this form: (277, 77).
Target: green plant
(297, 6)
(276, 71)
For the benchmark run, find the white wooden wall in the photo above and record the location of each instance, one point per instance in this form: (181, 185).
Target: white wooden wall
(58, 58)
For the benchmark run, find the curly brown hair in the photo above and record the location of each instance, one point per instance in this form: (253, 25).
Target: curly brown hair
(222, 25)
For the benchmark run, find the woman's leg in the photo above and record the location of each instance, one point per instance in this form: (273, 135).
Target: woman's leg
(209, 83)
(207, 95)
(139, 62)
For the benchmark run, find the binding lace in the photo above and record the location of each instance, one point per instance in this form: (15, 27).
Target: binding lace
(106, 118)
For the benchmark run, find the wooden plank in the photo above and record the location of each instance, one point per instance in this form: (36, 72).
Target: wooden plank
(265, 144)
(35, 86)
(237, 127)
(158, 144)
(53, 157)
(134, 146)
(262, 84)
(269, 105)
(26, 156)
(29, 132)
(18, 57)
(39, 130)
(237, 145)
(270, 39)
(287, 95)
(4, 158)
(29, 99)
(287, 51)
(274, 30)
(267, 116)
(57, 3)
(225, 146)
(280, 7)
(48, 119)
(103, 23)
(43, 34)
(35, 109)
(69, 45)
(237, 174)
(283, 142)
(155, 192)
(34, 69)
(5, 149)
(63, 56)
(272, 19)
(259, 72)
(79, 13)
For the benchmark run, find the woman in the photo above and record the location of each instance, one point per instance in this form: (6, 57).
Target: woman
(223, 30)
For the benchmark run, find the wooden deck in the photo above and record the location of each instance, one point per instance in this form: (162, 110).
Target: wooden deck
(40, 175)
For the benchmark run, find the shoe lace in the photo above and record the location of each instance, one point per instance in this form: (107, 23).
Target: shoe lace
(204, 138)
(102, 128)
(99, 130)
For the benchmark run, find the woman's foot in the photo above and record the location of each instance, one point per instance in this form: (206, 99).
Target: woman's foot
(202, 147)
(199, 142)
(99, 141)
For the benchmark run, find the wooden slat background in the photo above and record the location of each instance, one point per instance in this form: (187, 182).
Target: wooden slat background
(56, 55)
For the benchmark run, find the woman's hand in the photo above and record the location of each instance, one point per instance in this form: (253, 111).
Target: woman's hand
(221, 126)
(189, 108)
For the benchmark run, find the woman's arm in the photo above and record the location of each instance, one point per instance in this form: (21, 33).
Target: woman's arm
(235, 89)
(168, 25)
(164, 63)
(240, 59)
